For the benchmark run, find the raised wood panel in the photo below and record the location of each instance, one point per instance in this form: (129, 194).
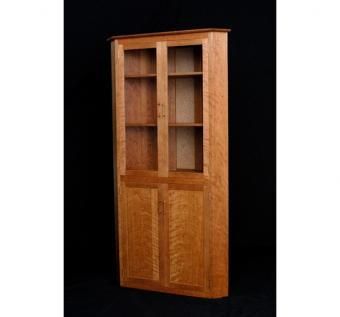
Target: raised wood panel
(142, 235)
(186, 237)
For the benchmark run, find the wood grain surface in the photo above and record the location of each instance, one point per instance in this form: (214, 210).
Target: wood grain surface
(142, 233)
(186, 244)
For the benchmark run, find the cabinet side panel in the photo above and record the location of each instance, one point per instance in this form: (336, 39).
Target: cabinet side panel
(119, 138)
(218, 163)
(115, 191)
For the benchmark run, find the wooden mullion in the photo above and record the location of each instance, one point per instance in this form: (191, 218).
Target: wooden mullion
(163, 157)
(162, 108)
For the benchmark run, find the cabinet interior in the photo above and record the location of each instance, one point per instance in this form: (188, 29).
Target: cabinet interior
(140, 101)
(140, 62)
(185, 59)
(140, 86)
(185, 96)
(141, 109)
(185, 100)
(186, 149)
(141, 148)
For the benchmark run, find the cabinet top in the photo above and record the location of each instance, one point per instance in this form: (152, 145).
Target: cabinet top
(167, 33)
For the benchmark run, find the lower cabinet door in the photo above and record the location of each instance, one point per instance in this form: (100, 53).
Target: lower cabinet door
(139, 234)
(187, 237)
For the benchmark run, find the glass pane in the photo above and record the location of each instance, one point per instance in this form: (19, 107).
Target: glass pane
(186, 149)
(185, 108)
(140, 62)
(141, 109)
(185, 59)
(141, 148)
(140, 86)
(185, 84)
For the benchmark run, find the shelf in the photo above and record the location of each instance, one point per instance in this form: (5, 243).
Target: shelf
(138, 124)
(186, 170)
(189, 124)
(185, 74)
(136, 76)
(181, 75)
(186, 124)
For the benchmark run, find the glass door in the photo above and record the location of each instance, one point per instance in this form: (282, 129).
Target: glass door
(173, 82)
(140, 109)
(185, 104)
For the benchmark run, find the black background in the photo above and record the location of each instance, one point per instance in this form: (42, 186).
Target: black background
(90, 285)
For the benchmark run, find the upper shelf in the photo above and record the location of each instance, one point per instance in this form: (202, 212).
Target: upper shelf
(185, 74)
(185, 124)
(140, 76)
(171, 124)
(140, 124)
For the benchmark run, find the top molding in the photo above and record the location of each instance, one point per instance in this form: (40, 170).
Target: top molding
(167, 33)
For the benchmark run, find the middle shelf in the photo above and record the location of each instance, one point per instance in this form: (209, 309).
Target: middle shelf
(170, 124)
(171, 75)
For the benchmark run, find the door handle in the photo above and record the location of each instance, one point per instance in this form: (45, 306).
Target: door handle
(161, 110)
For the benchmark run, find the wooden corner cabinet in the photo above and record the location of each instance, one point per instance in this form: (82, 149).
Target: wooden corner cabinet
(170, 115)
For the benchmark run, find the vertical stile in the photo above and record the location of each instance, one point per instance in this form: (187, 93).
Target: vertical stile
(120, 149)
(163, 157)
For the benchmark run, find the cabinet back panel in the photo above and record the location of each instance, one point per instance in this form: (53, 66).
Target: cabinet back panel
(185, 59)
(185, 100)
(140, 61)
(186, 149)
(141, 148)
(140, 100)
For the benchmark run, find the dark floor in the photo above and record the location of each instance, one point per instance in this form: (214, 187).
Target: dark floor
(252, 294)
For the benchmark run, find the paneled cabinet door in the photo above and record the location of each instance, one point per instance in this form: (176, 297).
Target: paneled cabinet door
(140, 232)
(187, 237)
